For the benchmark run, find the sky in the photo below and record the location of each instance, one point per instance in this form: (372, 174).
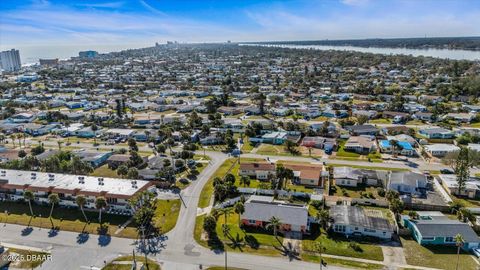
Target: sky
(57, 26)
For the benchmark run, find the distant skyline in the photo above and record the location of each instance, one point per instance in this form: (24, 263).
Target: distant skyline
(120, 24)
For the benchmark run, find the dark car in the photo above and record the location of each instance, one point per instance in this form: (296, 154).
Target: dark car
(446, 171)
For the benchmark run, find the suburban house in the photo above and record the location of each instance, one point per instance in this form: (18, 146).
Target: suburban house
(329, 144)
(434, 228)
(414, 184)
(114, 161)
(352, 177)
(355, 221)
(276, 137)
(360, 144)
(22, 118)
(307, 174)
(95, 159)
(437, 133)
(403, 148)
(14, 183)
(260, 209)
(471, 189)
(358, 130)
(440, 150)
(259, 170)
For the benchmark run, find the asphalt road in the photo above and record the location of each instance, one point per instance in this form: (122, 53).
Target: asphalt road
(177, 249)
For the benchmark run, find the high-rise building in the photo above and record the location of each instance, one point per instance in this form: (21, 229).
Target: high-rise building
(10, 60)
(48, 62)
(88, 54)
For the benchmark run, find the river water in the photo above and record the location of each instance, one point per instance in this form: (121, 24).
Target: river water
(437, 53)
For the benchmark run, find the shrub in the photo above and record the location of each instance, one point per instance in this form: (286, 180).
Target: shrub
(381, 192)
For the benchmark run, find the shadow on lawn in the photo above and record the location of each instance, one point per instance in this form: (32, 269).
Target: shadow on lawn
(53, 232)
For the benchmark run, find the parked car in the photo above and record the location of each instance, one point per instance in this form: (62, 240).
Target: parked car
(446, 171)
(476, 251)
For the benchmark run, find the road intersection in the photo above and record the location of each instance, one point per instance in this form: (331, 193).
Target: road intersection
(175, 250)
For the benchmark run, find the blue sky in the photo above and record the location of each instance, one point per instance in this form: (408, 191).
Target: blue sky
(143, 22)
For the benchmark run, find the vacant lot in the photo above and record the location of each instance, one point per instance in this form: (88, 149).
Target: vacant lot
(437, 257)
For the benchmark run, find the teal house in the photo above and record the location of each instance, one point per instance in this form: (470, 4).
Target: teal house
(434, 228)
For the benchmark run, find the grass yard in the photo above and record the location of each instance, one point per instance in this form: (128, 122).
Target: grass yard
(360, 191)
(342, 153)
(105, 171)
(468, 202)
(166, 214)
(247, 146)
(368, 167)
(309, 257)
(63, 218)
(255, 241)
(33, 259)
(414, 122)
(380, 121)
(121, 263)
(437, 257)
(335, 244)
(207, 190)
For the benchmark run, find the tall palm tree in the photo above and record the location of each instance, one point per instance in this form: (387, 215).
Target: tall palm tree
(459, 243)
(100, 204)
(239, 209)
(81, 201)
(19, 138)
(273, 223)
(226, 232)
(29, 197)
(52, 199)
(59, 145)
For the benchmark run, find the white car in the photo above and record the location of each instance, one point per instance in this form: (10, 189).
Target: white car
(476, 251)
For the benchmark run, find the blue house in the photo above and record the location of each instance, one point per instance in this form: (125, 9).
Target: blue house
(434, 228)
(74, 105)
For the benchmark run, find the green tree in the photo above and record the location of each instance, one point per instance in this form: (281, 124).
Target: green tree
(245, 180)
(323, 216)
(53, 199)
(100, 204)
(29, 196)
(459, 241)
(81, 201)
(132, 173)
(239, 209)
(273, 224)
(122, 170)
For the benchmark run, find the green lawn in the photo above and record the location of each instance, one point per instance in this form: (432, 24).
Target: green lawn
(166, 214)
(367, 167)
(310, 257)
(152, 265)
(246, 146)
(207, 190)
(259, 242)
(342, 153)
(437, 257)
(28, 263)
(468, 202)
(356, 192)
(105, 171)
(73, 220)
(380, 121)
(335, 244)
(63, 218)
(414, 122)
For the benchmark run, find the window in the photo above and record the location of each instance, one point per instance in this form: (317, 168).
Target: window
(449, 240)
(251, 221)
(369, 230)
(428, 238)
(339, 228)
(356, 228)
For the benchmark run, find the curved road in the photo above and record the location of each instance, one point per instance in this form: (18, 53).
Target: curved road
(178, 249)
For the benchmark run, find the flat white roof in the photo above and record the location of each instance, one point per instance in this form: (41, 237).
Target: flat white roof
(81, 183)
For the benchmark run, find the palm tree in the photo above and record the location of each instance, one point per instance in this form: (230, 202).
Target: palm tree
(323, 216)
(245, 180)
(273, 223)
(19, 138)
(81, 201)
(100, 204)
(59, 145)
(12, 137)
(29, 197)
(459, 243)
(226, 232)
(239, 209)
(52, 199)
